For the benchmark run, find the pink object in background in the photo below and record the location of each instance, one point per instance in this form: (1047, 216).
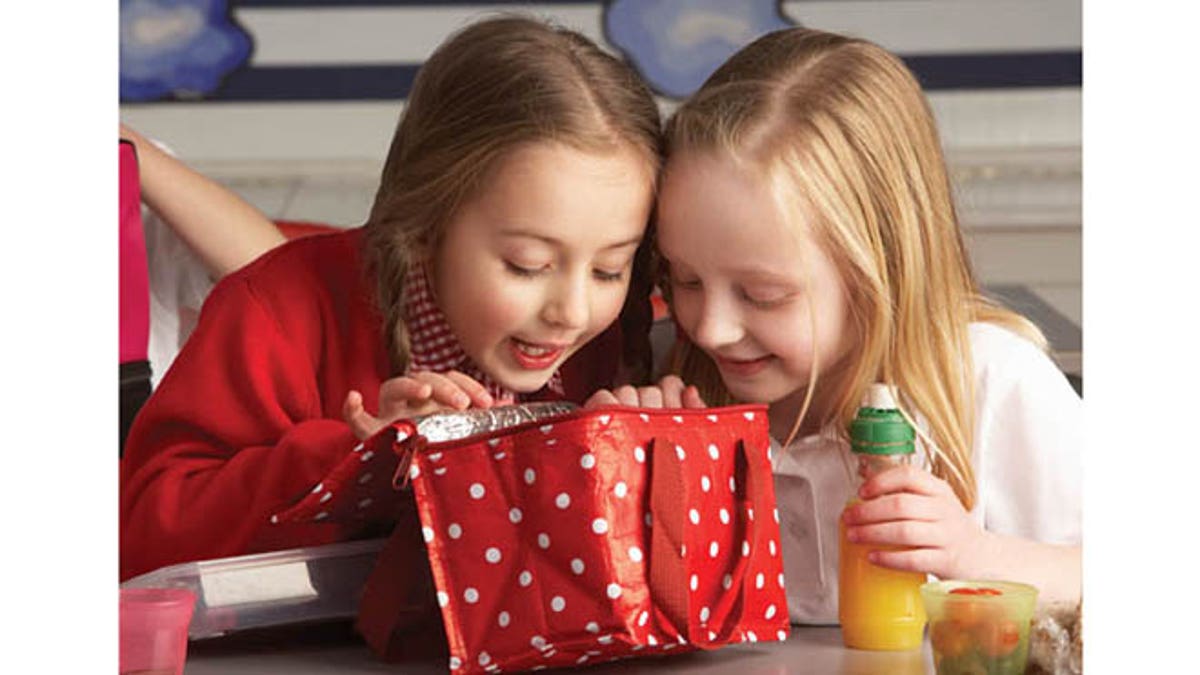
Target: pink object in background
(133, 273)
(154, 629)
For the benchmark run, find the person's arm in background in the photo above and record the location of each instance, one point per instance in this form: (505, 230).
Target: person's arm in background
(224, 230)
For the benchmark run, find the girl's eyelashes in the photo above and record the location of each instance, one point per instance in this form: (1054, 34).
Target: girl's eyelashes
(766, 302)
(761, 299)
(606, 276)
(522, 271)
(685, 283)
(530, 272)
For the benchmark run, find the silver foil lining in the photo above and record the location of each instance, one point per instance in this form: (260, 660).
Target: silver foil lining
(442, 427)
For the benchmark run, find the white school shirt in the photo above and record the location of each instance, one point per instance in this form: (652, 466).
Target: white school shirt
(1027, 460)
(179, 283)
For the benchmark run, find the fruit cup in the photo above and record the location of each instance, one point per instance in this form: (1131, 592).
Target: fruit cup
(979, 626)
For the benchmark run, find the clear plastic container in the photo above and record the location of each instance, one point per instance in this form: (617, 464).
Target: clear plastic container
(979, 626)
(279, 588)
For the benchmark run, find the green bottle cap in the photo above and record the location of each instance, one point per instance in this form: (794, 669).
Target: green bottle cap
(881, 430)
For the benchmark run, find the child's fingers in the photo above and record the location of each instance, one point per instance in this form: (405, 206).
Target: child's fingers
(353, 404)
(650, 397)
(894, 506)
(927, 560)
(477, 392)
(400, 390)
(600, 399)
(903, 479)
(362, 423)
(626, 395)
(907, 533)
(445, 391)
(672, 391)
(691, 398)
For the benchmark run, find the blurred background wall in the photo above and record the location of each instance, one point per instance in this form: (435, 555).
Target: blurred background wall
(292, 103)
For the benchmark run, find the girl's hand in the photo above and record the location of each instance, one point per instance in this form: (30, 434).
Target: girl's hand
(910, 508)
(670, 393)
(413, 395)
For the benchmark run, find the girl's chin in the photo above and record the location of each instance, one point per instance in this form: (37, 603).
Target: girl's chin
(521, 381)
(761, 392)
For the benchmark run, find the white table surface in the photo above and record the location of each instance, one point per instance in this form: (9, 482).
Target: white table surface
(318, 651)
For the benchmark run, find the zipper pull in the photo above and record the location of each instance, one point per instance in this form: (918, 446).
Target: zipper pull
(405, 445)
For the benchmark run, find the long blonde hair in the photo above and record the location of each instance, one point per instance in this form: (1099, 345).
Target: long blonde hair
(842, 130)
(494, 86)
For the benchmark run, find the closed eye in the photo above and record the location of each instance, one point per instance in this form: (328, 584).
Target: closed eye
(522, 271)
(608, 277)
(766, 300)
(685, 283)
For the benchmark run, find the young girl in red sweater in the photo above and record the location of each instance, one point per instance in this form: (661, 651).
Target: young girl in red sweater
(501, 260)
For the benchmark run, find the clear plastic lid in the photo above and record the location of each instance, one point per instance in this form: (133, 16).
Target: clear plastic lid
(300, 585)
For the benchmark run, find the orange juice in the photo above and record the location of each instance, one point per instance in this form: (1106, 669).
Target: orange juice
(879, 608)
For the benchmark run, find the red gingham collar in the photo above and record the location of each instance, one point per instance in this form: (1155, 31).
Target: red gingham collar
(434, 347)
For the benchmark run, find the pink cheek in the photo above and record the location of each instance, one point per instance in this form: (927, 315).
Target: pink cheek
(685, 314)
(607, 311)
(506, 314)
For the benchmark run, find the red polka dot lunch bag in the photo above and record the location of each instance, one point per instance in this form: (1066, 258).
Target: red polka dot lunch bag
(582, 537)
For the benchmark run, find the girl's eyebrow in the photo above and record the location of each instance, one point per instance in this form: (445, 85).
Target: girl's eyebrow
(769, 277)
(761, 276)
(557, 242)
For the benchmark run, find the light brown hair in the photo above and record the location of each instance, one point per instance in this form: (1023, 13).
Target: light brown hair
(494, 86)
(842, 130)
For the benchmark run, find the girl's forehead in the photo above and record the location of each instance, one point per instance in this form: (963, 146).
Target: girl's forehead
(556, 193)
(711, 207)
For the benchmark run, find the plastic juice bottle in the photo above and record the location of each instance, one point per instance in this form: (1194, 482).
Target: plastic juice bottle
(879, 608)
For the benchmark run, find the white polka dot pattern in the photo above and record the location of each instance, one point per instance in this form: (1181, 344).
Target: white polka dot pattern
(524, 540)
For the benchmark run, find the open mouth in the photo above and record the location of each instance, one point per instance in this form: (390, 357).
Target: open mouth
(534, 356)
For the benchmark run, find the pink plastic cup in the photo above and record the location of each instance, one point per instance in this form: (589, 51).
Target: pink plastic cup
(154, 629)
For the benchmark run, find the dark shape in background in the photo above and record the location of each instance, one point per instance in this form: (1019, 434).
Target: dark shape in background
(677, 44)
(178, 48)
(168, 55)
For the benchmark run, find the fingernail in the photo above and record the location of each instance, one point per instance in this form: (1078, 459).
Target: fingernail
(461, 400)
(852, 534)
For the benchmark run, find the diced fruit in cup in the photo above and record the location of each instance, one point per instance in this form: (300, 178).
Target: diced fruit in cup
(971, 612)
(974, 663)
(988, 647)
(950, 638)
(982, 590)
(998, 638)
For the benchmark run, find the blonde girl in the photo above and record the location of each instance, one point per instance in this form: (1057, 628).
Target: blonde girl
(497, 263)
(806, 224)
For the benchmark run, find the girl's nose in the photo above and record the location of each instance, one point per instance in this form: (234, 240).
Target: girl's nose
(717, 325)
(567, 304)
